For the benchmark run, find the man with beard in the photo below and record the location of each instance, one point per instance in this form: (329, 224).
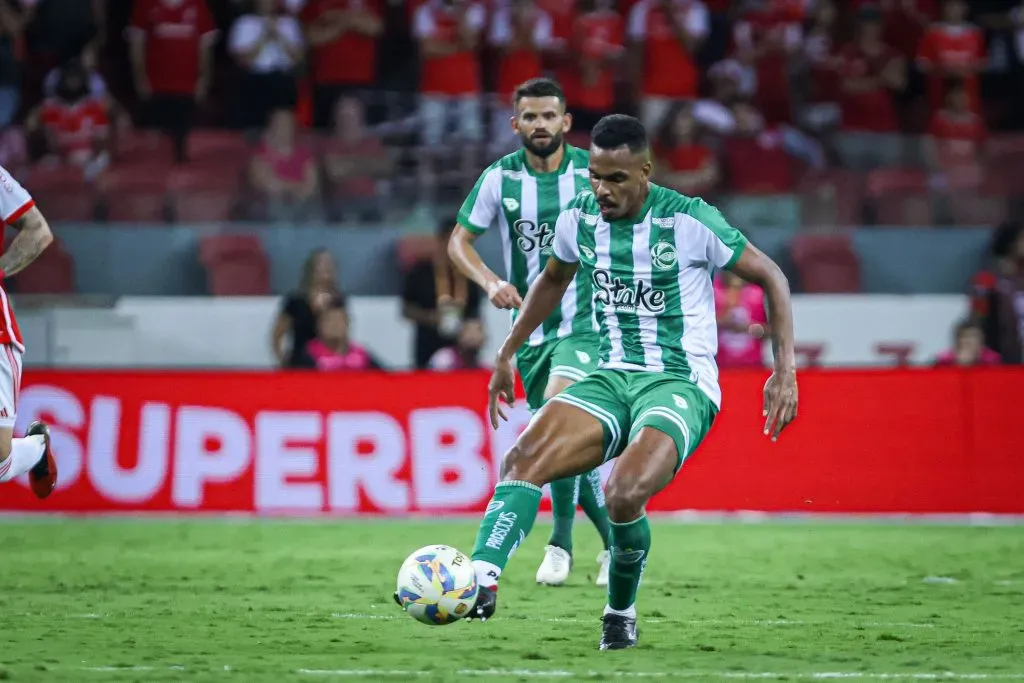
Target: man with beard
(523, 193)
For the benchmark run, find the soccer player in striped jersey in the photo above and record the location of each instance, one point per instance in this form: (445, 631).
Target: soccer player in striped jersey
(648, 254)
(522, 194)
(30, 453)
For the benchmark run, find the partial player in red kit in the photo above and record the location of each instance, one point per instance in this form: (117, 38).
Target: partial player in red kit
(31, 453)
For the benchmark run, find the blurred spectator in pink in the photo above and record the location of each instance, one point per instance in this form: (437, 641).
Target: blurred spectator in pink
(464, 354)
(356, 162)
(598, 43)
(268, 46)
(333, 349)
(343, 37)
(968, 347)
(742, 322)
(952, 48)
(998, 295)
(685, 162)
(956, 138)
(284, 170)
(72, 126)
(665, 37)
(171, 50)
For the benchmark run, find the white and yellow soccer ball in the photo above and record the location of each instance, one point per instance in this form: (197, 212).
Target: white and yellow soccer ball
(437, 585)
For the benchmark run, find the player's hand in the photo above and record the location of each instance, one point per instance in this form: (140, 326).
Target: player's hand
(502, 386)
(780, 402)
(503, 295)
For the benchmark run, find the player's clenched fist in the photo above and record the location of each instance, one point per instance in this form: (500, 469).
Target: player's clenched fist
(503, 295)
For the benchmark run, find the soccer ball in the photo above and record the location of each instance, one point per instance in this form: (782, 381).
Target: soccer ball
(437, 585)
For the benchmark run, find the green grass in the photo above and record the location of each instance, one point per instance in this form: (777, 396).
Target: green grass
(263, 601)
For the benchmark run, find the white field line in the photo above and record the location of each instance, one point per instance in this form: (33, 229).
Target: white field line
(674, 675)
(691, 622)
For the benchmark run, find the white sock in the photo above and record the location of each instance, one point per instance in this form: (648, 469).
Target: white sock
(628, 612)
(486, 573)
(25, 453)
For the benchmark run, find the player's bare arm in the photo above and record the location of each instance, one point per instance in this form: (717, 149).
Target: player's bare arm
(544, 296)
(462, 251)
(780, 392)
(33, 236)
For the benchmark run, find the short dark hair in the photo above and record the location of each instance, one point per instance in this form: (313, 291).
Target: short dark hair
(616, 130)
(539, 87)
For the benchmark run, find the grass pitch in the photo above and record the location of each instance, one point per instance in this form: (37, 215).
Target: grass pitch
(280, 601)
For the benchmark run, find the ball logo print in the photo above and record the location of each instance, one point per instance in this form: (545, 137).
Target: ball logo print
(663, 256)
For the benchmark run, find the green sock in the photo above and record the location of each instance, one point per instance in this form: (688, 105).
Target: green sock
(592, 502)
(631, 543)
(564, 494)
(509, 518)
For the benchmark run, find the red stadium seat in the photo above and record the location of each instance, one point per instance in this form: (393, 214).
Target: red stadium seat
(415, 248)
(135, 193)
(236, 265)
(206, 145)
(832, 197)
(203, 195)
(968, 208)
(753, 168)
(52, 273)
(900, 196)
(827, 264)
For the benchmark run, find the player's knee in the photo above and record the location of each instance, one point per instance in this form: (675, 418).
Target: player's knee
(624, 499)
(524, 462)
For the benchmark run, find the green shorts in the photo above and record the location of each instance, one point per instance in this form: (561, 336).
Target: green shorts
(573, 357)
(623, 401)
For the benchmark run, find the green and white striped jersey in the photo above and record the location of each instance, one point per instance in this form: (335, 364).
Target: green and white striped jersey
(525, 205)
(651, 281)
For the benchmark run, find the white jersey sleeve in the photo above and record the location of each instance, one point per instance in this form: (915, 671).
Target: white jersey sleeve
(566, 248)
(480, 209)
(715, 241)
(14, 199)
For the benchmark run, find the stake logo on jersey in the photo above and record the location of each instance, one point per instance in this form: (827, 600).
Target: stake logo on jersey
(533, 237)
(524, 205)
(627, 297)
(650, 278)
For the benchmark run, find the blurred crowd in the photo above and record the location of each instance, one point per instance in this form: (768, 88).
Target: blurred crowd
(868, 111)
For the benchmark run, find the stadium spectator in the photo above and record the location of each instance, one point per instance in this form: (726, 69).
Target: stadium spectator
(742, 322)
(998, 297)
(598, 43)
(437, 299)
(968, 348)
(956, 138)
(685, 162)
(464, 354)
(11, 32)
(343, 37)
(520, 32)
(72, 126)
(333, 350)
(356, 163)
(448, 33)
(766, 37)
(821, 90)
(267, 46)
(665, 37)
(296, 322)
(952, 48)
(171, 51)
(871, 73)
(57, 31)
(284, 171)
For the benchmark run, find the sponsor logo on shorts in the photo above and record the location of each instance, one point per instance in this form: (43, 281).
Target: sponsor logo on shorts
(680, 402)
(583, 356)
(663, 256)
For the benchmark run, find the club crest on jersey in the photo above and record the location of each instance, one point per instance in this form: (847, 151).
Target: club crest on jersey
(510, 204)
(532, 236)
(634, 296)
(587, 252)
(663, 256)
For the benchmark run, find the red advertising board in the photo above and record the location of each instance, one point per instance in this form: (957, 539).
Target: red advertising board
(917, 441)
